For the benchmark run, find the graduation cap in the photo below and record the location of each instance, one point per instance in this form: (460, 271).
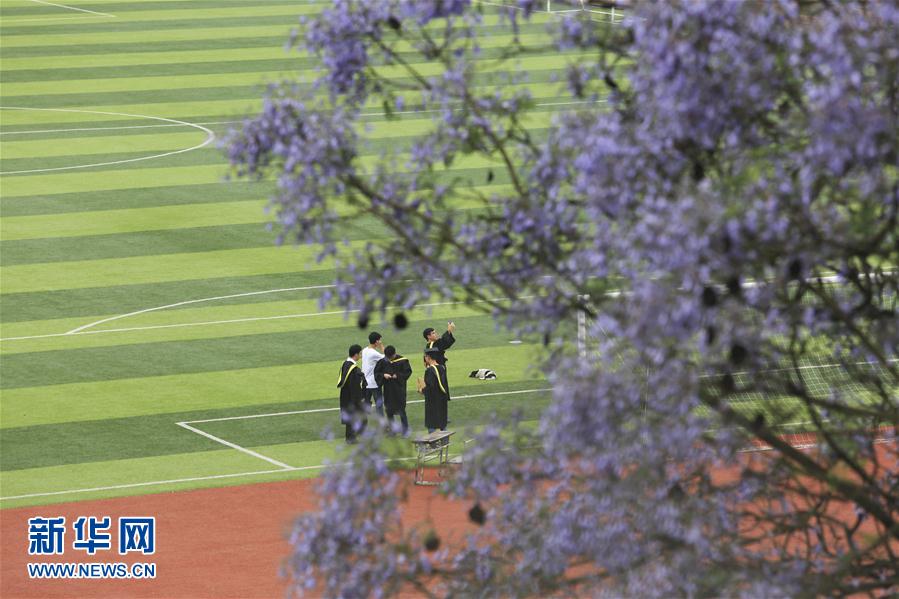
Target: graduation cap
(433, 352)
(483, 374)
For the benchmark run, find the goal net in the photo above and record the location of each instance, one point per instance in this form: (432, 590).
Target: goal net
(790, 394)
(608, 11)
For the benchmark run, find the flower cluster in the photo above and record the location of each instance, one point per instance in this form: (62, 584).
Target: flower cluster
(725, 221)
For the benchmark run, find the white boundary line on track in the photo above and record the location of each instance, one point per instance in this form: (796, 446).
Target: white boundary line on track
(210, 137)
(282, 467)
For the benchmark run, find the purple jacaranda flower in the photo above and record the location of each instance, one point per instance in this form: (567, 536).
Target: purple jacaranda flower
(705, 258)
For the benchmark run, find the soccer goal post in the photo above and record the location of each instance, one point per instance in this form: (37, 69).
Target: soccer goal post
(596, 9)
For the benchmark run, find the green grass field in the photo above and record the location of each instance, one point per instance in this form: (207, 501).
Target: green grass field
(101, 355)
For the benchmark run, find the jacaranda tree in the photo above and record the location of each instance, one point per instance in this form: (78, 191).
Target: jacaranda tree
(718, 204)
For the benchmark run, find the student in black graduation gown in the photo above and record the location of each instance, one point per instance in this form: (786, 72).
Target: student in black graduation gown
(436, 392)
(351, 383)
(391, 374)
(440, 342)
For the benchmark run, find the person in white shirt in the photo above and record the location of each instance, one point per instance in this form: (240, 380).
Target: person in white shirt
(371, 355)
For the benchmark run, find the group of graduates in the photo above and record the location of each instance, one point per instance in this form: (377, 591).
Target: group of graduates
(369, 376)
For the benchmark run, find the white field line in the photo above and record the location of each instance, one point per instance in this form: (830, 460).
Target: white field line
(319, 410)
(282, 467)
(289, 468)
(125, 127)
(81, 330)
(93, 12)
(155, 482)
(249, 452)
(196, 301)
(210, 137)
(116, 128)
(178, 325)
(261, 472)
(182, 480)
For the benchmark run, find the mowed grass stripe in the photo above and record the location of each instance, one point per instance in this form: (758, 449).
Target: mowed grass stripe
(57, 82)
(167, 394)
(175, 157)
(120, 179)
(179, 28)
(155, 137)
(132, 438)
(132, 220)
(124, 298)
(95, 225)
(160, 269)
(165, 195)
(285, 311)
(140, 175)
(227, 109)
(175, 240)
(207, 51)
(122, 8)
(251, 89)
(101, 25)
(236, 389)
(136, 359)
(45, 150)
(35, 38)
(135, 198)
(166, 241)
(135, 471)
(73, 145)
(176, 322)
(50, 56)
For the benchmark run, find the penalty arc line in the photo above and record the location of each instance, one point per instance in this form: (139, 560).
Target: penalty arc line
(81, 331)
(210, 137)
(196, 301)
(364, 114)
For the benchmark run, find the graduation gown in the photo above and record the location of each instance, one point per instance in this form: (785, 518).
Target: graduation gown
(444, 343)
(351, 383)
(394, 389)
(436, 397)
